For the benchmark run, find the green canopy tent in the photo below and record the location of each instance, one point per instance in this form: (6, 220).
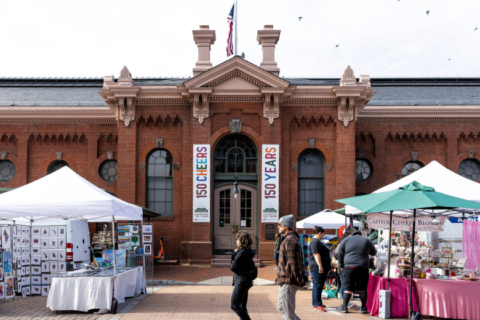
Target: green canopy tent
(413, 196)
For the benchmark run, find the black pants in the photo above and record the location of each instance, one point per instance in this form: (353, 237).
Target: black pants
(239, 301)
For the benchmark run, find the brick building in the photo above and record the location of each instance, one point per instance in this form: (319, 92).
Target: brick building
(336, 138)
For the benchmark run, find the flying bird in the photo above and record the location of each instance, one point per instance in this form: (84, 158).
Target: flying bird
(428, 11)
(336, 46)
(300, 18)
(476, 28)
(449, 59)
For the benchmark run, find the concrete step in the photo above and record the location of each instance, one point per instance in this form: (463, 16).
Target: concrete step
(224, 261)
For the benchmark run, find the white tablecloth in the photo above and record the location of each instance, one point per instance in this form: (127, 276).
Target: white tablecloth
(86, 293)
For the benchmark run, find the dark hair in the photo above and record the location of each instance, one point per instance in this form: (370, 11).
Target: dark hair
(318, 229)
(345, 234)
(277, 235)
(245, 240)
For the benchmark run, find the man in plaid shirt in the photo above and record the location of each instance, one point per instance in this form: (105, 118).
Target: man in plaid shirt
(291, 273)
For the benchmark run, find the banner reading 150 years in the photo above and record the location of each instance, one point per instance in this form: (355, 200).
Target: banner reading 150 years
(201, 183)
(270, 182)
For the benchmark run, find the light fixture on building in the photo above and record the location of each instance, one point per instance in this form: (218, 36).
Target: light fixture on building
(435, 221)
(235, 187)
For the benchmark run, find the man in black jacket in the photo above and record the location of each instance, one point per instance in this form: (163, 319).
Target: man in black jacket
(354, 258)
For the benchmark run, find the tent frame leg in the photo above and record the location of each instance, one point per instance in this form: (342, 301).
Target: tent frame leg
(389, 249)
(412, 266)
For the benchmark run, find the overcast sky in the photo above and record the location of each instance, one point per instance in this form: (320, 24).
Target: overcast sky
(382, 38)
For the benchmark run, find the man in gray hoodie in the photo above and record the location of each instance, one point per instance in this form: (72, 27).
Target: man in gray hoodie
(354, 258)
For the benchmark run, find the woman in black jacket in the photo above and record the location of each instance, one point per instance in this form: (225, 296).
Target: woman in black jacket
(242, 262)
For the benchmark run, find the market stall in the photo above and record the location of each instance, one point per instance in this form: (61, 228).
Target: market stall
(406, 202)
(64, 195)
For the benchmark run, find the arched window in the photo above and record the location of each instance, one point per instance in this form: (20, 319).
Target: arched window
(235, 153)
(57, 164)
(363, 170)
(108, 171)
(160, 182)
(410, 167)
(311, 186)
(470, 169)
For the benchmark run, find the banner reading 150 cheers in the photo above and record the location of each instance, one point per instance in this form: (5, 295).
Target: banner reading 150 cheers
(201, 183)
(270, 182)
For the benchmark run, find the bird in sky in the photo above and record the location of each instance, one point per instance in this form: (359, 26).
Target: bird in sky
(300, 18)
(449, 59)
(476, 28)
(428, 11)
(336, 46)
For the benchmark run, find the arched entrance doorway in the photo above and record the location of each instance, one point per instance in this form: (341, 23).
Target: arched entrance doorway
(234, 155)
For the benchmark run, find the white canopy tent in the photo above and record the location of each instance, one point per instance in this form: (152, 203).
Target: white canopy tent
(438, 177)
(327, 219)
(65, 195)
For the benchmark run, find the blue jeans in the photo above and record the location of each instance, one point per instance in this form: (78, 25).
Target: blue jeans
(318, 284)
(341, 282)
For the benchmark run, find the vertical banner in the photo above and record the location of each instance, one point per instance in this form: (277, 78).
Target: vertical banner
(201, 182)
(270, 182)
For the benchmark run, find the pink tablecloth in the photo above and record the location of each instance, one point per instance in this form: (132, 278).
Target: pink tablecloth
(399, 290)
(449, 298)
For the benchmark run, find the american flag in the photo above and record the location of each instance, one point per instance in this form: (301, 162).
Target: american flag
(230, 33)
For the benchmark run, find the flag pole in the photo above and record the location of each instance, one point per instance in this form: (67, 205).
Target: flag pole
(236, 20)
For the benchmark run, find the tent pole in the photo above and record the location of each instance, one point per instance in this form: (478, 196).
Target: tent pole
(389, 250)
(412, 261)
(144, 275)
(113, 249)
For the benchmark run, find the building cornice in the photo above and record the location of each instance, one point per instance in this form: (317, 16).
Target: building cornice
(60, 113)
(420, 114)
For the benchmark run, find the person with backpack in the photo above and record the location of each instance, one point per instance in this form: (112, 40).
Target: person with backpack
(244, 272)
(291, 274)
(276, 248)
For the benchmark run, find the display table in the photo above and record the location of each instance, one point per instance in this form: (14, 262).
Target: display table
(83, 293)
(399, 302)
(449, 298)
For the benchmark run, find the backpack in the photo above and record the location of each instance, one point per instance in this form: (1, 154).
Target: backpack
(253, 272)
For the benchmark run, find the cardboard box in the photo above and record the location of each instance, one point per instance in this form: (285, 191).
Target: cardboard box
(384, 305)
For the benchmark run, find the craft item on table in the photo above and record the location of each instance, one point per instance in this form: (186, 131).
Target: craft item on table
(53, 243)
(36, 241)
(45, 278)
(45, 291)
(447, 253)
(135, 241)
(9, 287)
(45, 232)
(120, 256)
(139, 250)
(45, 266)
(62, 243)
(147, 238)
(53, 232)
(147, 228)
(53, 267)
(45, 243)
(147, 248)
(62, 232)
(2, 290)
(36, 251)
(45, 255)
(28, 290)
(6, 238)
(7, 261)
(62, 267)
(462, 262)
(36, 231)
(53, 255)
(24, 292)
(36, 280)
(36, 270)
(36, 289)
(61, 255)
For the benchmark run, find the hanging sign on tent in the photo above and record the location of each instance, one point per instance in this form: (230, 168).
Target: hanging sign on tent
(270, 181)
(201, 182)
(423, 223)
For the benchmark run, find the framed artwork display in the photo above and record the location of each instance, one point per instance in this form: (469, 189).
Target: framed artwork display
(14, 231)
(36, 260)
(2, 290)
(45, 243)
(53, 255)
(27, 271)
(25, 231)
(36, 231)
(19, 231)
(36, 280)
(36, 270)
(9, 287)
(62, 243)
(147, 228)
(53, 232)
(36, 242)
(28, 290)
(45, 232)
(62, 231)
(53, 267)
(1, 274)
(45, 279)
(53, 243)
(24, 292)
(19, 262)
(147, 248)
(62, 267)
(45, 291)
(27, 260)
(36, 251)
(19, 287)
(27, 242)
(447, 253)
(7, 261)
(45, 266)
(147, 238)
(61, 255)
(36, 289)
(22, 271)
(45, 255)
(6, 238)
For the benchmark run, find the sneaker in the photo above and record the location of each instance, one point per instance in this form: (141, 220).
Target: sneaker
(275, 268)
(363, 310)
(342, 309)
(321, 309)
(351, 305)
(323, 306)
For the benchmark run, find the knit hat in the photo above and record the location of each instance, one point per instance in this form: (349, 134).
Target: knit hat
(357, 232)
(287, 221)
